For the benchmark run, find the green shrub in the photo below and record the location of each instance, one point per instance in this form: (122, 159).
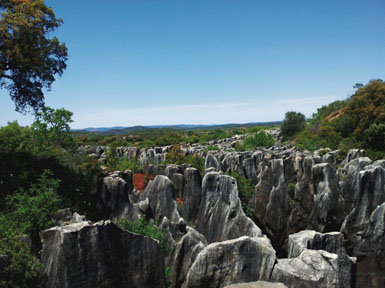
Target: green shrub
(293, 123)
(375, 136)
(142, 227)
(259, 139)
(23, 267)
(34, 210)
(211, 148)
(246, 190)
(291, 190)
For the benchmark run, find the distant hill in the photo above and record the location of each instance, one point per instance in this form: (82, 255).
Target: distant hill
(119, 130)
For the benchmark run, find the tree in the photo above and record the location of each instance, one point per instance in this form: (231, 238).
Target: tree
(29, 60)
(292, 124)
(53, 125)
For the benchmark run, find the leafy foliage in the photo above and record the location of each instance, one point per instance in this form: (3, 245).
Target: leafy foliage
(29, 60)
(34, 210)
(259, 139)
(293, 123)
(176, 156)
(53, 125)
(23, 267)
(246, 189)
(145, 228)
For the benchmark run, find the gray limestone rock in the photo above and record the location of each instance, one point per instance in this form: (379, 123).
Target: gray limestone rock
(371, 194)
(184, 254)
(114, 191)
(370, 250)
(311, 269)
(332, 242)
(192, 193)
(160, 193)
(211, 162)
(233, 261)
(100, 255)
(327, 210)
(220, 214)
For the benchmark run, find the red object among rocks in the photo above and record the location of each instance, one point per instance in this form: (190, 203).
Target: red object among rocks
(141, 181)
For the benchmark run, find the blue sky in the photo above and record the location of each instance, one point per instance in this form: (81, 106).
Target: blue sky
(203, 62)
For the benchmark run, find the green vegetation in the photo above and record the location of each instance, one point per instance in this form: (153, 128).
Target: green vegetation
(291, 189)
(292, 124)
(176, 156)
(357, 122)
(246, 190)
(145, 228)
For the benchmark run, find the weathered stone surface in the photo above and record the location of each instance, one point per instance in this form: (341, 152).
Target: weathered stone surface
(328, 204)
(160, 193)
(233, 261)
(350, 182)
(332, 242)
(271, 200)
(114, 191)
(184, 254)
(220, 214)
(371, 187)
(311, 269)
(100, 255)
(211, 162)
(257, 284)
(192, 193)
(370, 250)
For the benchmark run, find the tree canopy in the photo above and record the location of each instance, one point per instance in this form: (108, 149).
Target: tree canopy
(292, 124)
(29, 60)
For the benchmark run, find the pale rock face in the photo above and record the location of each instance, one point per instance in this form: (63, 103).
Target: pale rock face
(233, 261)
(370, 247)
(160, 193)
(371, 187)
(332, 242)
(100, 255)
(192, 193)
(311, 269)
(184, 254)
(328, 204)
(220, 214)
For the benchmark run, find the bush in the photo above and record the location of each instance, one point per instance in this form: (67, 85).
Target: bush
(292, 124)
(375, 136)
(142, 227)
(23, 267)
(246, 190)
(34, 210)
(259, 139)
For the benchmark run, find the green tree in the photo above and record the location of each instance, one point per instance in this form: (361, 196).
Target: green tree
(53, 125)
(292, 124)
(29, 60)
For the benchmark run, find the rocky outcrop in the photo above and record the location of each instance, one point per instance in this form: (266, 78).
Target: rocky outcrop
(370, 190)
(311, 269)
(220, 215)
(192, 193)
(271, 202)
(160, 193)
(184, 254)
(219, 264)
(114, 191)
(332, 242)
(100, 255)
(328, 204)
(370, 250)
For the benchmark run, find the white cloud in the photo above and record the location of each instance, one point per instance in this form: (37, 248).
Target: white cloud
(213, 113)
